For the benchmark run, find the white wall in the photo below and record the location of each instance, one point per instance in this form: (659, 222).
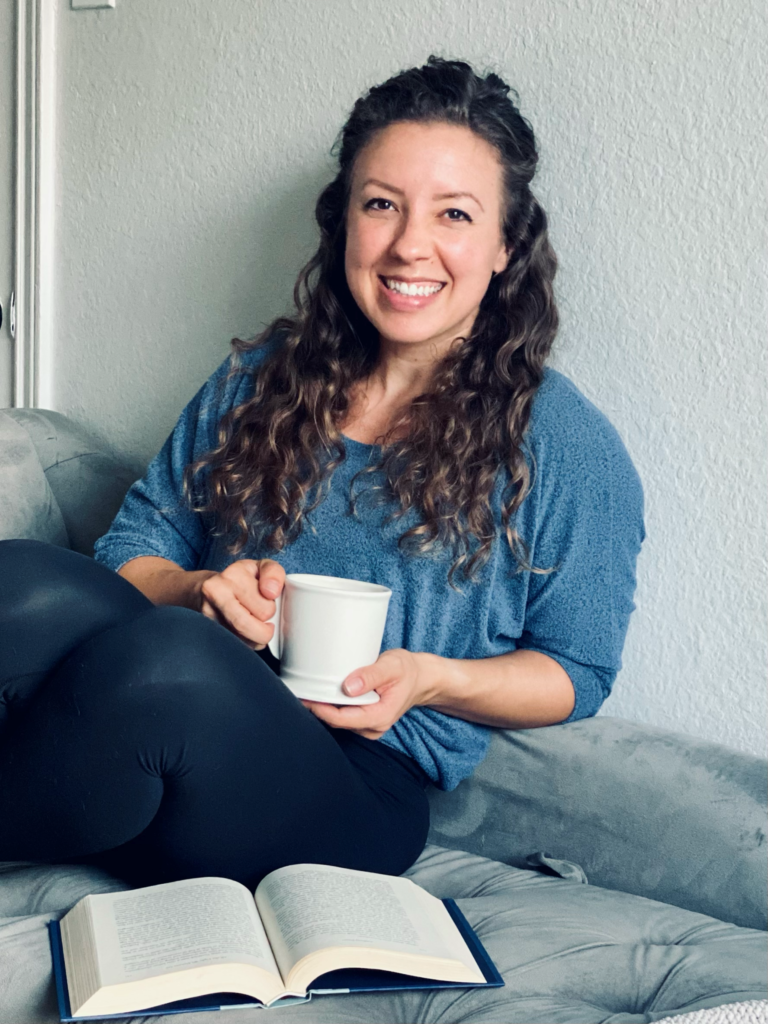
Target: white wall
(7, 203)
(195, 135)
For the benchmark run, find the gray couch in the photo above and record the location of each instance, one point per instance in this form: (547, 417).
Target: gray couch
(614, 872)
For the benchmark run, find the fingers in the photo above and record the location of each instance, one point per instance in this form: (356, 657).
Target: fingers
(360, 719)
(212, 613)
(369, 720)
(271, 576)
(386, 669)
(248, 580)
(234, 597)
(394, 676)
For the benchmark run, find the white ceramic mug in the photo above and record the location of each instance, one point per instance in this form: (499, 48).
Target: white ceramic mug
(325, 627)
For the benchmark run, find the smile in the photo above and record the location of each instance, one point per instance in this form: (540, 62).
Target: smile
(403, 288)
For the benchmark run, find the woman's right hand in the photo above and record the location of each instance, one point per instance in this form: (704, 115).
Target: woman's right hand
(242, 598)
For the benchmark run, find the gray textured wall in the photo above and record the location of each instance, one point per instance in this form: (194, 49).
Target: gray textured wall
(195, 135)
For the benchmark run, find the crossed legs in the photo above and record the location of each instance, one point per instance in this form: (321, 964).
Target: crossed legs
(153, 740)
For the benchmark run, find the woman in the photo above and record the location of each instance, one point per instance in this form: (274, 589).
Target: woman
(399, 428)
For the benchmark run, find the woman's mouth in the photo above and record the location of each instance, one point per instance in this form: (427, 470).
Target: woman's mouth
(402, 296)
(413, 288)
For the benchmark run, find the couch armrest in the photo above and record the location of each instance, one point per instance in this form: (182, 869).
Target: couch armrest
(28, 508)
(87, 480)
(641, 809)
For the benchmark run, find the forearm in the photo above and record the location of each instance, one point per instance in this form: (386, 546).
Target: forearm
(165, 582)
(519, 690)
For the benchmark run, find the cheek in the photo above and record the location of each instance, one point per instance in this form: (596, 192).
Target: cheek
(357, 262)
(367, 240)
(353, 266)
(470, 263)
(357, 243)
(351, 246)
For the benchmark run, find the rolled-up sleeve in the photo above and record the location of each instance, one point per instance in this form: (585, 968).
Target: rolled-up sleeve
(155, 518)
(585, 525)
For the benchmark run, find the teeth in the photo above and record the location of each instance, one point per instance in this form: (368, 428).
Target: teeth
(412, 289)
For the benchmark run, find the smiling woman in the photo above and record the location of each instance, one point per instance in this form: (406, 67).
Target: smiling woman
(399, 428)
(432, 194)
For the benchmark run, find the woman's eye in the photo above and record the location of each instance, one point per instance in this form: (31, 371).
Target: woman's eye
(378, 204)
(454, 214)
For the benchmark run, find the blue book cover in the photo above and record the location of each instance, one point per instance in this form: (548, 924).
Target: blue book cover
(334, 983)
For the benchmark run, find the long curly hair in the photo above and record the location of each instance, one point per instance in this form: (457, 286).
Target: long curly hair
(442, 458)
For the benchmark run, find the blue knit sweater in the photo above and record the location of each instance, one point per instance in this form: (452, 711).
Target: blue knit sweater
(583, 517)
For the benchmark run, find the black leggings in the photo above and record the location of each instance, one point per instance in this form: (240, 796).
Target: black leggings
(152, 741)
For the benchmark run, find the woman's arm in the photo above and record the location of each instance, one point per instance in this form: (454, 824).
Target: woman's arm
(242, 597)
(165, 582)
(519, 690)
(155, 520)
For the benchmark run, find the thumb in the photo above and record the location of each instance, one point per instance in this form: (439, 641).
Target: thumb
(362, 680)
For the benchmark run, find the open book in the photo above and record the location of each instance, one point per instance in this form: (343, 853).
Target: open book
(311, 929)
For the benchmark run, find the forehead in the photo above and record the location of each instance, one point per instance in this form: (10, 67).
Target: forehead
(437, 157)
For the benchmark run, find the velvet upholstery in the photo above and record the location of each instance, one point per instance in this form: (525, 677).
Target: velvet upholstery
(570, 953)
(87, 482)
(28, 508)
(667, 816)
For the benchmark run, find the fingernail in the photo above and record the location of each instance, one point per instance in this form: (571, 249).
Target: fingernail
(354, 686)
(271, 588)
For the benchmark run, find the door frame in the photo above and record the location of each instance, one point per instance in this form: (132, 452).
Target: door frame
(35, 205)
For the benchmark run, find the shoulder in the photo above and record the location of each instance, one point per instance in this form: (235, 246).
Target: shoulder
(560, 410)
(569, 435)
(233, 381)
(231, 384)
(563, 420)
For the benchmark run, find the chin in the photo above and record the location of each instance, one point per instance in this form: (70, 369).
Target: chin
(420, 334)
(412, 337)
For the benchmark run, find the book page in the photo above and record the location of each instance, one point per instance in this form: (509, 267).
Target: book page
(180, 925)
(308, 907)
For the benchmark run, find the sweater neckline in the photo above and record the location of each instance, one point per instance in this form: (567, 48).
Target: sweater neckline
(361, 445)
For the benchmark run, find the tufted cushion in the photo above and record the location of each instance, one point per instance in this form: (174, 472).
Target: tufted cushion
(573, 953)
(569, 952)
(28, 509)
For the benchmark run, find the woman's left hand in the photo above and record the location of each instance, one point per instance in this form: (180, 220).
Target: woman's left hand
(401, 679)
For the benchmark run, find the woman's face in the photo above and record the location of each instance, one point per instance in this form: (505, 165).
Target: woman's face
(424, 231)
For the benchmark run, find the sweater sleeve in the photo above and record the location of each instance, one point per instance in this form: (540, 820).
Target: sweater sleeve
(154, 518)
(584, 522)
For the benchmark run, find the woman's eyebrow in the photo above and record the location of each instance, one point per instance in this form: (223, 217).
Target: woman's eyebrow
(381, 184)
(441, 195)
(459, 195)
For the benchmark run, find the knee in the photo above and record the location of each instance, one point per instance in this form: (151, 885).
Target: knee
(33, 561)
(52, 601)
(37, 577)
(172, 675)
(172, 652)
(25, 566)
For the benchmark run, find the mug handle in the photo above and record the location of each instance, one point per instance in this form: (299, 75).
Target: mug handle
(276, 643)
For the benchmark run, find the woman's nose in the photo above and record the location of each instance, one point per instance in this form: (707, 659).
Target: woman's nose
(413, 240)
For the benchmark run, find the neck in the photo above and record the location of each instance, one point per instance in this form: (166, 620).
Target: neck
(404, 370)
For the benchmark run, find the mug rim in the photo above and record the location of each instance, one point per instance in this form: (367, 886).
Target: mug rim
(312, 581)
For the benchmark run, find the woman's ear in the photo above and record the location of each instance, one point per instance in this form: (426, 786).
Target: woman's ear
(501, 261)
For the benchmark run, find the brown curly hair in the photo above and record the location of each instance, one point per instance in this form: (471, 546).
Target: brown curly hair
(278, 450)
